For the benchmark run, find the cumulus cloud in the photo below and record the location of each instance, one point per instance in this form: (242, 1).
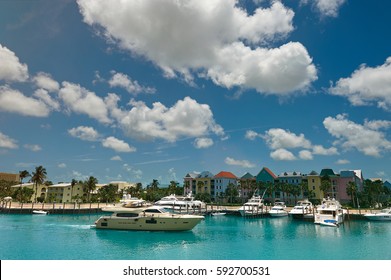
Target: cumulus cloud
(173, 34)
(327, 8)
(251, 135)
(342, 161)
(45, 97)
(45, 81)
(116, 158)
(241, 163)
(14, 101)
(117, 145)
(202, 143)
(186, 118)
(131, 86)
(84, 133)
(281, 141)
(366, 138)
(7, 142)
(367, 85)
(282, 154)
(82, 101)
(62, 165)
(11, 69)
(277, 138)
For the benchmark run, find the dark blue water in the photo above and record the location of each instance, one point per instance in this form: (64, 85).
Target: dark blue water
(69, 237)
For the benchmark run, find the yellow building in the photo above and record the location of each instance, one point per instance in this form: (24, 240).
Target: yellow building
(64, 192)
(314, 182)
(41, 190)
(205, 183)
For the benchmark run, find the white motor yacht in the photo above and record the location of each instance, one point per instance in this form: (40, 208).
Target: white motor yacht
(254, 206)
(383, 215)
(302, 210)
(180, 202)
(278, 210)
(330, 213)
(154, 218)
(131, 202)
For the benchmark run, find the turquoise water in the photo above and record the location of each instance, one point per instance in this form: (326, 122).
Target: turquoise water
(69, 237)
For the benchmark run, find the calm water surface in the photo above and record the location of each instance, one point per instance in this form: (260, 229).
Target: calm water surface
(69, 237)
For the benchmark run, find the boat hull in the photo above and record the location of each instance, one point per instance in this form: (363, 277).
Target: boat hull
(278, 214)
(374, 217)
(149, 223)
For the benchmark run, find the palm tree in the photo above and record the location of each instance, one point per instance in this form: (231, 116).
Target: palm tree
(325, 185)
(73, 183)
(351, 191)
(38, 177)
(90, 185)
(22, 174)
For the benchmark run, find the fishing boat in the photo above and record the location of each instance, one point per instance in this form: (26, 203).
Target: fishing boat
(383, 215)
(329, 212)
(154, 218)
(254, 206)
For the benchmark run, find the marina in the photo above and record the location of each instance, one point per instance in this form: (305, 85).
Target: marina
(228, 237)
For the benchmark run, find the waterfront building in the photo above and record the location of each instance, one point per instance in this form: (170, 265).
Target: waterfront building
(64, 192)
(247, 185)
(221, 182)
(189, 183)
(294, 180)
(327, 174)
(205, 183)
(267, 178)
(9, 177)
(314, 183)
(41, 190)
(345, 177)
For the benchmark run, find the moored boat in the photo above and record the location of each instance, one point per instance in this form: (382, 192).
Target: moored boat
(253, 207)
(329, 212)
(383, 215)
(152, 218)
(180, 202)
(302, 210)
(39, 212)
(278, 210)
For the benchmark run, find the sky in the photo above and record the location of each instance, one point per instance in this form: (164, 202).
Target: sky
(141, 90)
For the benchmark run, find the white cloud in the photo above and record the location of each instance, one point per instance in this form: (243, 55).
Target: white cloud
(116, 158)
(124, 81)
(84, 133)
(251, 135)
(306, 155)
(282, 154)
(328, 8)
(202, 143)
(277, 138)
(14, 101)
(7, 142)
(117, 145)
(10, 67)
(365, 138)
(241, 163)
(44, 96)
(61, 165)
(367, 85)
(342, 161)
(32, 147)
(320, 150)
(186, 118)
(45, 81)
(173, 34)
(82, 101)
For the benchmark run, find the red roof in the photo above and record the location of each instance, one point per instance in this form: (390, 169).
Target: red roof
(225, 174)
(270, 172)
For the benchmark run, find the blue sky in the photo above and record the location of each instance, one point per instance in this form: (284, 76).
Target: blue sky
(145, 90)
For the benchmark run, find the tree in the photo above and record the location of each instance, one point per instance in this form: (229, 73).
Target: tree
(325, 185)
(172, 188)
(38, 177)
(73, 183)
(231, 192)
(108, 193)
(22, 174)
(351, 190)
(89, 186)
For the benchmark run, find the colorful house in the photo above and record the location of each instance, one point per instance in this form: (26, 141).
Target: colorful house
(247, 184)
(221, 182)
(204, 183)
